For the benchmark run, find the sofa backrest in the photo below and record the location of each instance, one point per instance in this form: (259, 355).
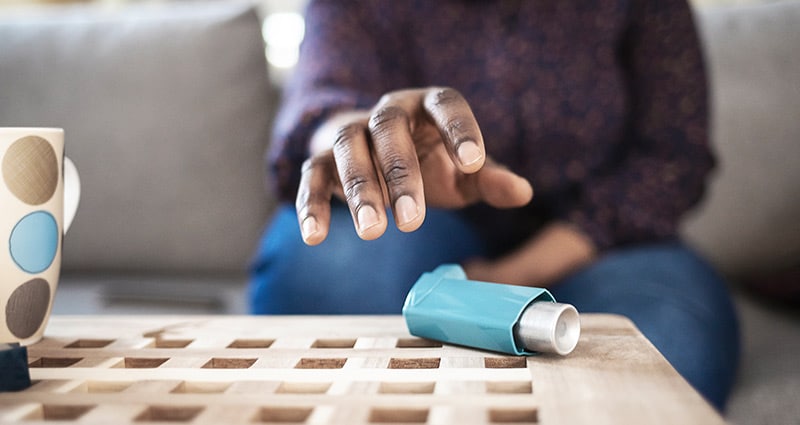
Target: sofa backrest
(166, 110)
(750, 220)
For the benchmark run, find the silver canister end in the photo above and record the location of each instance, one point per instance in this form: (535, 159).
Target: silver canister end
(549, 327)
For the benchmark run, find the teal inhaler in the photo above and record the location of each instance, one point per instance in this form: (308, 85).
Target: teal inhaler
(444, 305)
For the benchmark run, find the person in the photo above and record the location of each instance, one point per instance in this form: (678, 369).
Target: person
(413, 134)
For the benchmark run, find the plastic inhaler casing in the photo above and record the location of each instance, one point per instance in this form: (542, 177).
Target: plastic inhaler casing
(444, 305)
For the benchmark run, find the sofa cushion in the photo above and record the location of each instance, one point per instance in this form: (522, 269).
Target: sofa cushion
(166, 110)
(749, 222)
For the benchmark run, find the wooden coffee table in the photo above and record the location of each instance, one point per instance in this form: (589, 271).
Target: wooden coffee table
(338, 370)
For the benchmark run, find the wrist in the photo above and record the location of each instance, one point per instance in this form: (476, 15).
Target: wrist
(555, 252)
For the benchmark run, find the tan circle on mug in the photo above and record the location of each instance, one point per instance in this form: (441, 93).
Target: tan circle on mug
(30, 170)
(27, 307)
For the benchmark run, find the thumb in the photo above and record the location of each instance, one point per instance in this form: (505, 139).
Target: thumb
(502, 188)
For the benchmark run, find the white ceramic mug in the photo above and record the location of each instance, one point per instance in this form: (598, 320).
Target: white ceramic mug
(39, 194)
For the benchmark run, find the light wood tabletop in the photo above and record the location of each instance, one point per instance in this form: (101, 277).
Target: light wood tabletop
(338, 370)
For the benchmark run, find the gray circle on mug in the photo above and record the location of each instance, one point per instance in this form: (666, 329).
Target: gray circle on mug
(27, 307)
(30, 170)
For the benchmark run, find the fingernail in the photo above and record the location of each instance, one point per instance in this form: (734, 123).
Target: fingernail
(406, 209)
(469, 152)
(367, 217)
(310, 226)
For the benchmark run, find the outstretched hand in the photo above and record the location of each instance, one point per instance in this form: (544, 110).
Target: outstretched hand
(416, 147)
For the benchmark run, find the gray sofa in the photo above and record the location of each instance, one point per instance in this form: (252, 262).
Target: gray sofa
(167, 111)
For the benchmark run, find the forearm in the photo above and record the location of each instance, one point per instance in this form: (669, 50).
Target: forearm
(543, 260)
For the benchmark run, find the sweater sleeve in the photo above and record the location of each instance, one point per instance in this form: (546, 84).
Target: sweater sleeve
(341, 66)
(667, 158)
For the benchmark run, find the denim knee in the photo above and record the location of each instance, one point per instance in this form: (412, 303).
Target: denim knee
(677, 300)
(345, 274)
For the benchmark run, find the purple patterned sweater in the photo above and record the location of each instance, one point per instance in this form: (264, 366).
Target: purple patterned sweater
(602, 104)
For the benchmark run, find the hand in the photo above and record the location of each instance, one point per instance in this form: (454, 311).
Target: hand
(416, 147)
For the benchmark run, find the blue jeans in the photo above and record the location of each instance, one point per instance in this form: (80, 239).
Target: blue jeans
(673, 296)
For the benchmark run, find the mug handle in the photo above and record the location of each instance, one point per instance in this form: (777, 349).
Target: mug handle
(72, 192)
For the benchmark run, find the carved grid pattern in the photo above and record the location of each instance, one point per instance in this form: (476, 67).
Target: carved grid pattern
(194, 378)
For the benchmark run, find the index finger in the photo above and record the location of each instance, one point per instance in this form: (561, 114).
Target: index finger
(452, 115)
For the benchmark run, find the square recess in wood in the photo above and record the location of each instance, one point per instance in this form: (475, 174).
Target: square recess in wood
(413, 363)
(56, 412)
(101, 387)
(334, 343)
(55, 362)
(144, 362)
(89, 343)
(320, 363)
(505, 362)
(303, 387)
(406, 387)
(417, 343)
(228, 363)
(398, 415)
(509, 387)
(513, 415)
(172, 343)
(295, 415)
(251, 343)
(169, 414)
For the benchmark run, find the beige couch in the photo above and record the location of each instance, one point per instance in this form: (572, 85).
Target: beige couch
(167, 111)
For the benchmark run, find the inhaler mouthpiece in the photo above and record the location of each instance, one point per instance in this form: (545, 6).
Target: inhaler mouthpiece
(549, 327)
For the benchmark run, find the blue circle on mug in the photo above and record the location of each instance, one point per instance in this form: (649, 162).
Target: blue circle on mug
(34, 242)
